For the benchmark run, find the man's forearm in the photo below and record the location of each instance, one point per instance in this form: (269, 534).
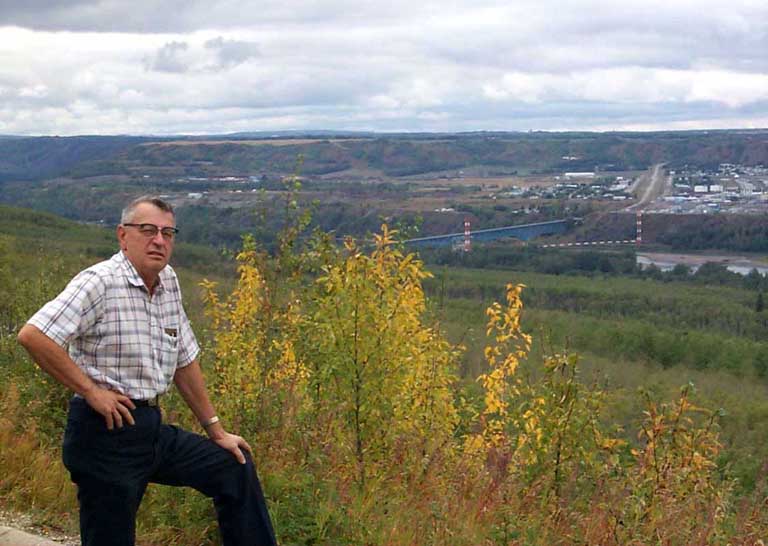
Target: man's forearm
(191, 384)
(54, 360)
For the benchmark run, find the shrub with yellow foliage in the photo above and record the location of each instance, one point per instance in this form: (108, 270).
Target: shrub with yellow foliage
(341, 368)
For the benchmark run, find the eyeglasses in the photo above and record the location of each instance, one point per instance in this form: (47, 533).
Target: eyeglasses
(150, 230)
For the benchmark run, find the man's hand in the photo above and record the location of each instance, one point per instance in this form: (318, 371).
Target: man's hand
(113, 406)
(232, 443)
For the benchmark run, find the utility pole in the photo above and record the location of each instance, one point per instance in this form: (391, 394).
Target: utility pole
(467, 235)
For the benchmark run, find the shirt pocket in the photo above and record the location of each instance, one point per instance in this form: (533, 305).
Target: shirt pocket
(169, 350)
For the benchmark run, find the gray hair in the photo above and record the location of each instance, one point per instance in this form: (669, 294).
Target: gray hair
(128, 211)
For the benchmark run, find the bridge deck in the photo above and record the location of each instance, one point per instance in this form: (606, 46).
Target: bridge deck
(523, 231)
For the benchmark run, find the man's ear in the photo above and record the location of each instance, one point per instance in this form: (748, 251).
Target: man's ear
(121, 237)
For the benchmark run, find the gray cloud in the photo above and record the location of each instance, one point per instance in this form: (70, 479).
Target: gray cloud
(168, 16)
(214, 55)
(231, 53)
(169, 58)
(97, 15)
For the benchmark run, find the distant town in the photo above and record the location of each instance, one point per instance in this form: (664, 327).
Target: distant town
(730, 188)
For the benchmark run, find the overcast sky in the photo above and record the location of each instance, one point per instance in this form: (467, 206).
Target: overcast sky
(217, 66)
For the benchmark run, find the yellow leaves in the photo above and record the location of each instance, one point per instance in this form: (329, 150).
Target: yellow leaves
(609, 444)
(386, 375)
(491, 353)
(290, 371)
(350, 245)
(548, 429)
(675, 464)
(700, 462)
(503, 356)
(474, 446)
(510, 364)
(385, 238)
(493, 404)
(253, 327)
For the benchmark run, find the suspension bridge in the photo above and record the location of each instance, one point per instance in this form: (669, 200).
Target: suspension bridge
(523, 232)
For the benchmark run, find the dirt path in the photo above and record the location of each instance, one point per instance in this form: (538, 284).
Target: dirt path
(24, 522)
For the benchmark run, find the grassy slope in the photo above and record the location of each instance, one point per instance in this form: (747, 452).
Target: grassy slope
(632, 335)
(461, 314)
(39, 237)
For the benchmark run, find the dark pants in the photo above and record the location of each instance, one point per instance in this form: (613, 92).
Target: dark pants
(112, 470)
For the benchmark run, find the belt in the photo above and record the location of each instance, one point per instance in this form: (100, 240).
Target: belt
(151, 402)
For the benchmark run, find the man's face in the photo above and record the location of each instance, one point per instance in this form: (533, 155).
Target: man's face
(149, 255)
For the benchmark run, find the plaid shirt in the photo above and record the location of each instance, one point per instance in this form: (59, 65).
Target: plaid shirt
(118, 335)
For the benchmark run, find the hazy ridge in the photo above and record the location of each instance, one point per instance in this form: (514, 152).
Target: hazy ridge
(372, 155)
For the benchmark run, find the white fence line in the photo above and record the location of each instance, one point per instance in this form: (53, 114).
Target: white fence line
(591, 243)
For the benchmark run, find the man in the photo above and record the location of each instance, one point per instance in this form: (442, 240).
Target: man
(128, 338)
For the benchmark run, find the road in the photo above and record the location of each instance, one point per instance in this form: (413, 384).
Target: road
(650, 185)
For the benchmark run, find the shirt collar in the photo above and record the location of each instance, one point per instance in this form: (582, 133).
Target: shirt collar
(133, 276)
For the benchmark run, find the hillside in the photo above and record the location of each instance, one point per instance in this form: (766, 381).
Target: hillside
(35, 238)
(629, 333)
(374, 156)
(35, 158)
(691, 232)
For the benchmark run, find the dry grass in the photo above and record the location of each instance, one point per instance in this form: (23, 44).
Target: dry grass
(452, 504)
(33, 479)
